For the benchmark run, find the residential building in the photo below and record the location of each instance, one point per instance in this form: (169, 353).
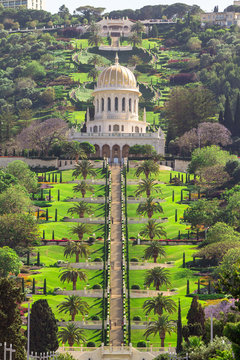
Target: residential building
(224, 19)
(115, 27)
(29, 4)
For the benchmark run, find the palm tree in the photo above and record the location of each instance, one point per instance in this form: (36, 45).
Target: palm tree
(161, 326)
(93, 73)
(158, 304)
(158, 277)
(80, 230)
(83, 187)
(71, 275)
(74, 149)
(147, 186)
(73, 305)
(80, 209)
(94, 39)
(76, 248)
(84, 168)
(153, 229)
(135, 39)
(71, 334)
(147, 167)
(154, 250)
(138, 27)
(149, 207)
(95, 60)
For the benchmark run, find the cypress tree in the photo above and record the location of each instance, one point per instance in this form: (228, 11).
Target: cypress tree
(43, 235)
(45, 287)
(176, 215)
(58, 195)
(209, 287)
(53, 235)
(38, 259)
(23, 286)
(38, 214)
(196, 315)
(28, 258)
(228, 116)
(43, 328)
(179, 330)
(47, 215)
(188, 287)
(221, 118)
(236, 130)
(41, 194)
(173, 196)
(56, 178)
(198, 287)
(52, 177)
(56, 215)
(60, 177)
(49, 195)
(179, 235)
(33, 287)
(48, 177)
(10, 330)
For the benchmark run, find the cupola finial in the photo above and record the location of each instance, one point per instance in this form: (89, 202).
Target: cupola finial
(116, 59)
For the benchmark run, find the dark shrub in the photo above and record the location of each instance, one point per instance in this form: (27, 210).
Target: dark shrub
(141, 344)
(135, 287)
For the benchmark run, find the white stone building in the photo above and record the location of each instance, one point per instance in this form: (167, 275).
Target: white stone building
(29, 4)
(115, 27)
(116, 125)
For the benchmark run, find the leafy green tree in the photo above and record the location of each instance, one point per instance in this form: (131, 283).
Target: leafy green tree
(158, 277)
(158, 304)
(80, 230)
(23, 174)
(80, 209)
(203, 212)
(71, 275)
(153, 229)
(43, 328)
(71, 334)
(96, 60)
(73, 305)
(83, 187)
(221, 232)
(11, 323)
(135, 39)
(147, 186)
(216, 251)
(83, 169)
(236, 130)
(14, 199)
(76, 248)
(91, 13)
(194, 44)
(207, 157)
(18, 231)
(232, 332)
(154, 250)
(6, 180)
(9, 262)
(161, 326)
(48, 96)
(149, 207)
(195, 316)
(94, 39)
(147, 168)
(138, 27)
(187, 108)
(228, 116)
(35, 70)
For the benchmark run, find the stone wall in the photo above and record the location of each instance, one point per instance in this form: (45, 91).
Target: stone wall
(181, 165)
(5, 160)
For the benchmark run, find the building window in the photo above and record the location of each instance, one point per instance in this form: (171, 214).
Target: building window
(97, 105)
(99, 128)
(141, 130)
(136, 129)
(116, 104)
(102, 104)
(109, 104)
(115, 127)
(132, 128)
(95, 129)
(109, 128)
(130, 105)
(122, 127)
(123, 104)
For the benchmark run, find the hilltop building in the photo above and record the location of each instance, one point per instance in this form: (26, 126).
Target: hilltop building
(116, 125)
(223, 19)
(115, 27)
(29, 4)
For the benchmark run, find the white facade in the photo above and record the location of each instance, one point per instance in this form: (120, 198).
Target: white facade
(225, 19)
(116, 125)
(115, 27)
(29, 4)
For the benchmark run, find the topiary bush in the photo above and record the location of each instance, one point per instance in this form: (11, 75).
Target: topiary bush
(97, 286)
(137, 318)
(97, 260)
(91, 344)
(135, 287)
(142, 344)
(95, 317)
(134, 260)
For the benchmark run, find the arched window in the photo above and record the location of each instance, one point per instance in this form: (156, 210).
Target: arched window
(109, 104)
(90, 129)
(122, 127)
(95, 129)
(116, 104)
(97, 105)
(130, 105)
(109, 128)
(123, 104)
(115, 127)
(102, 104)
(136, 129)
(99, 128)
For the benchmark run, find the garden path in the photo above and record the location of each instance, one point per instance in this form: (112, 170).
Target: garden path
(116, 300)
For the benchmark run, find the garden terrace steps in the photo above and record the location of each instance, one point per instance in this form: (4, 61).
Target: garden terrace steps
(116, 299)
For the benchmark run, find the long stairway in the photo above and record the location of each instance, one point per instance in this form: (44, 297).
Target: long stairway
(116, 300)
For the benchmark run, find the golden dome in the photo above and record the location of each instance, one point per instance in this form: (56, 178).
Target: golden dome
(116, 76)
